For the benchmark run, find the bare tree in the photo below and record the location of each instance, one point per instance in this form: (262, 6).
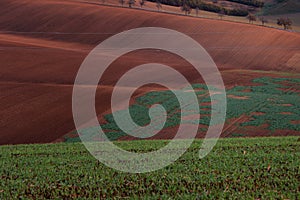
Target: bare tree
(131, 3)
(122, 2)
(285, 22)
(142, 3)
(263, 20)
(185, 8)
(158, 5)
(251, 18)
(197, 11)
(221, 14)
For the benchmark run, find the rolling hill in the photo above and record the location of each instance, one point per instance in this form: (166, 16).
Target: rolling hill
(43, 43)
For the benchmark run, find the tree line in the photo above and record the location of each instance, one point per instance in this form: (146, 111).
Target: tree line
(186, 7)
(198, 4)
(282, 21)
(254, 3)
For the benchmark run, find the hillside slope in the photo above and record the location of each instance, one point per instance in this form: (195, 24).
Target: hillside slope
(231, 45)
(43, 43)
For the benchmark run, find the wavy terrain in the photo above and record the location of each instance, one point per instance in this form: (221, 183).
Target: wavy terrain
(43, 43)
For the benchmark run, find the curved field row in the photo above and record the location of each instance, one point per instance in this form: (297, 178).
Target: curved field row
(43, 43)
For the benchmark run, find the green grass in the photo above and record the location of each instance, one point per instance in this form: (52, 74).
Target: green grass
(240, 168)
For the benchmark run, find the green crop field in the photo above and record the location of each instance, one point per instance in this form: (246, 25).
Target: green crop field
(273, 102)
(237, 168)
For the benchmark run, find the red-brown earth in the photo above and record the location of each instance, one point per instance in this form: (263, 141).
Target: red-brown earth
(43, 43)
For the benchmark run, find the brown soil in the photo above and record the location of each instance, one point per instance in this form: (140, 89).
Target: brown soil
(191, 117)
(258, 113)
(231, 125)
(237, 97)
(287, 104)
(286, 113)
(295, 122)
(43, 43)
